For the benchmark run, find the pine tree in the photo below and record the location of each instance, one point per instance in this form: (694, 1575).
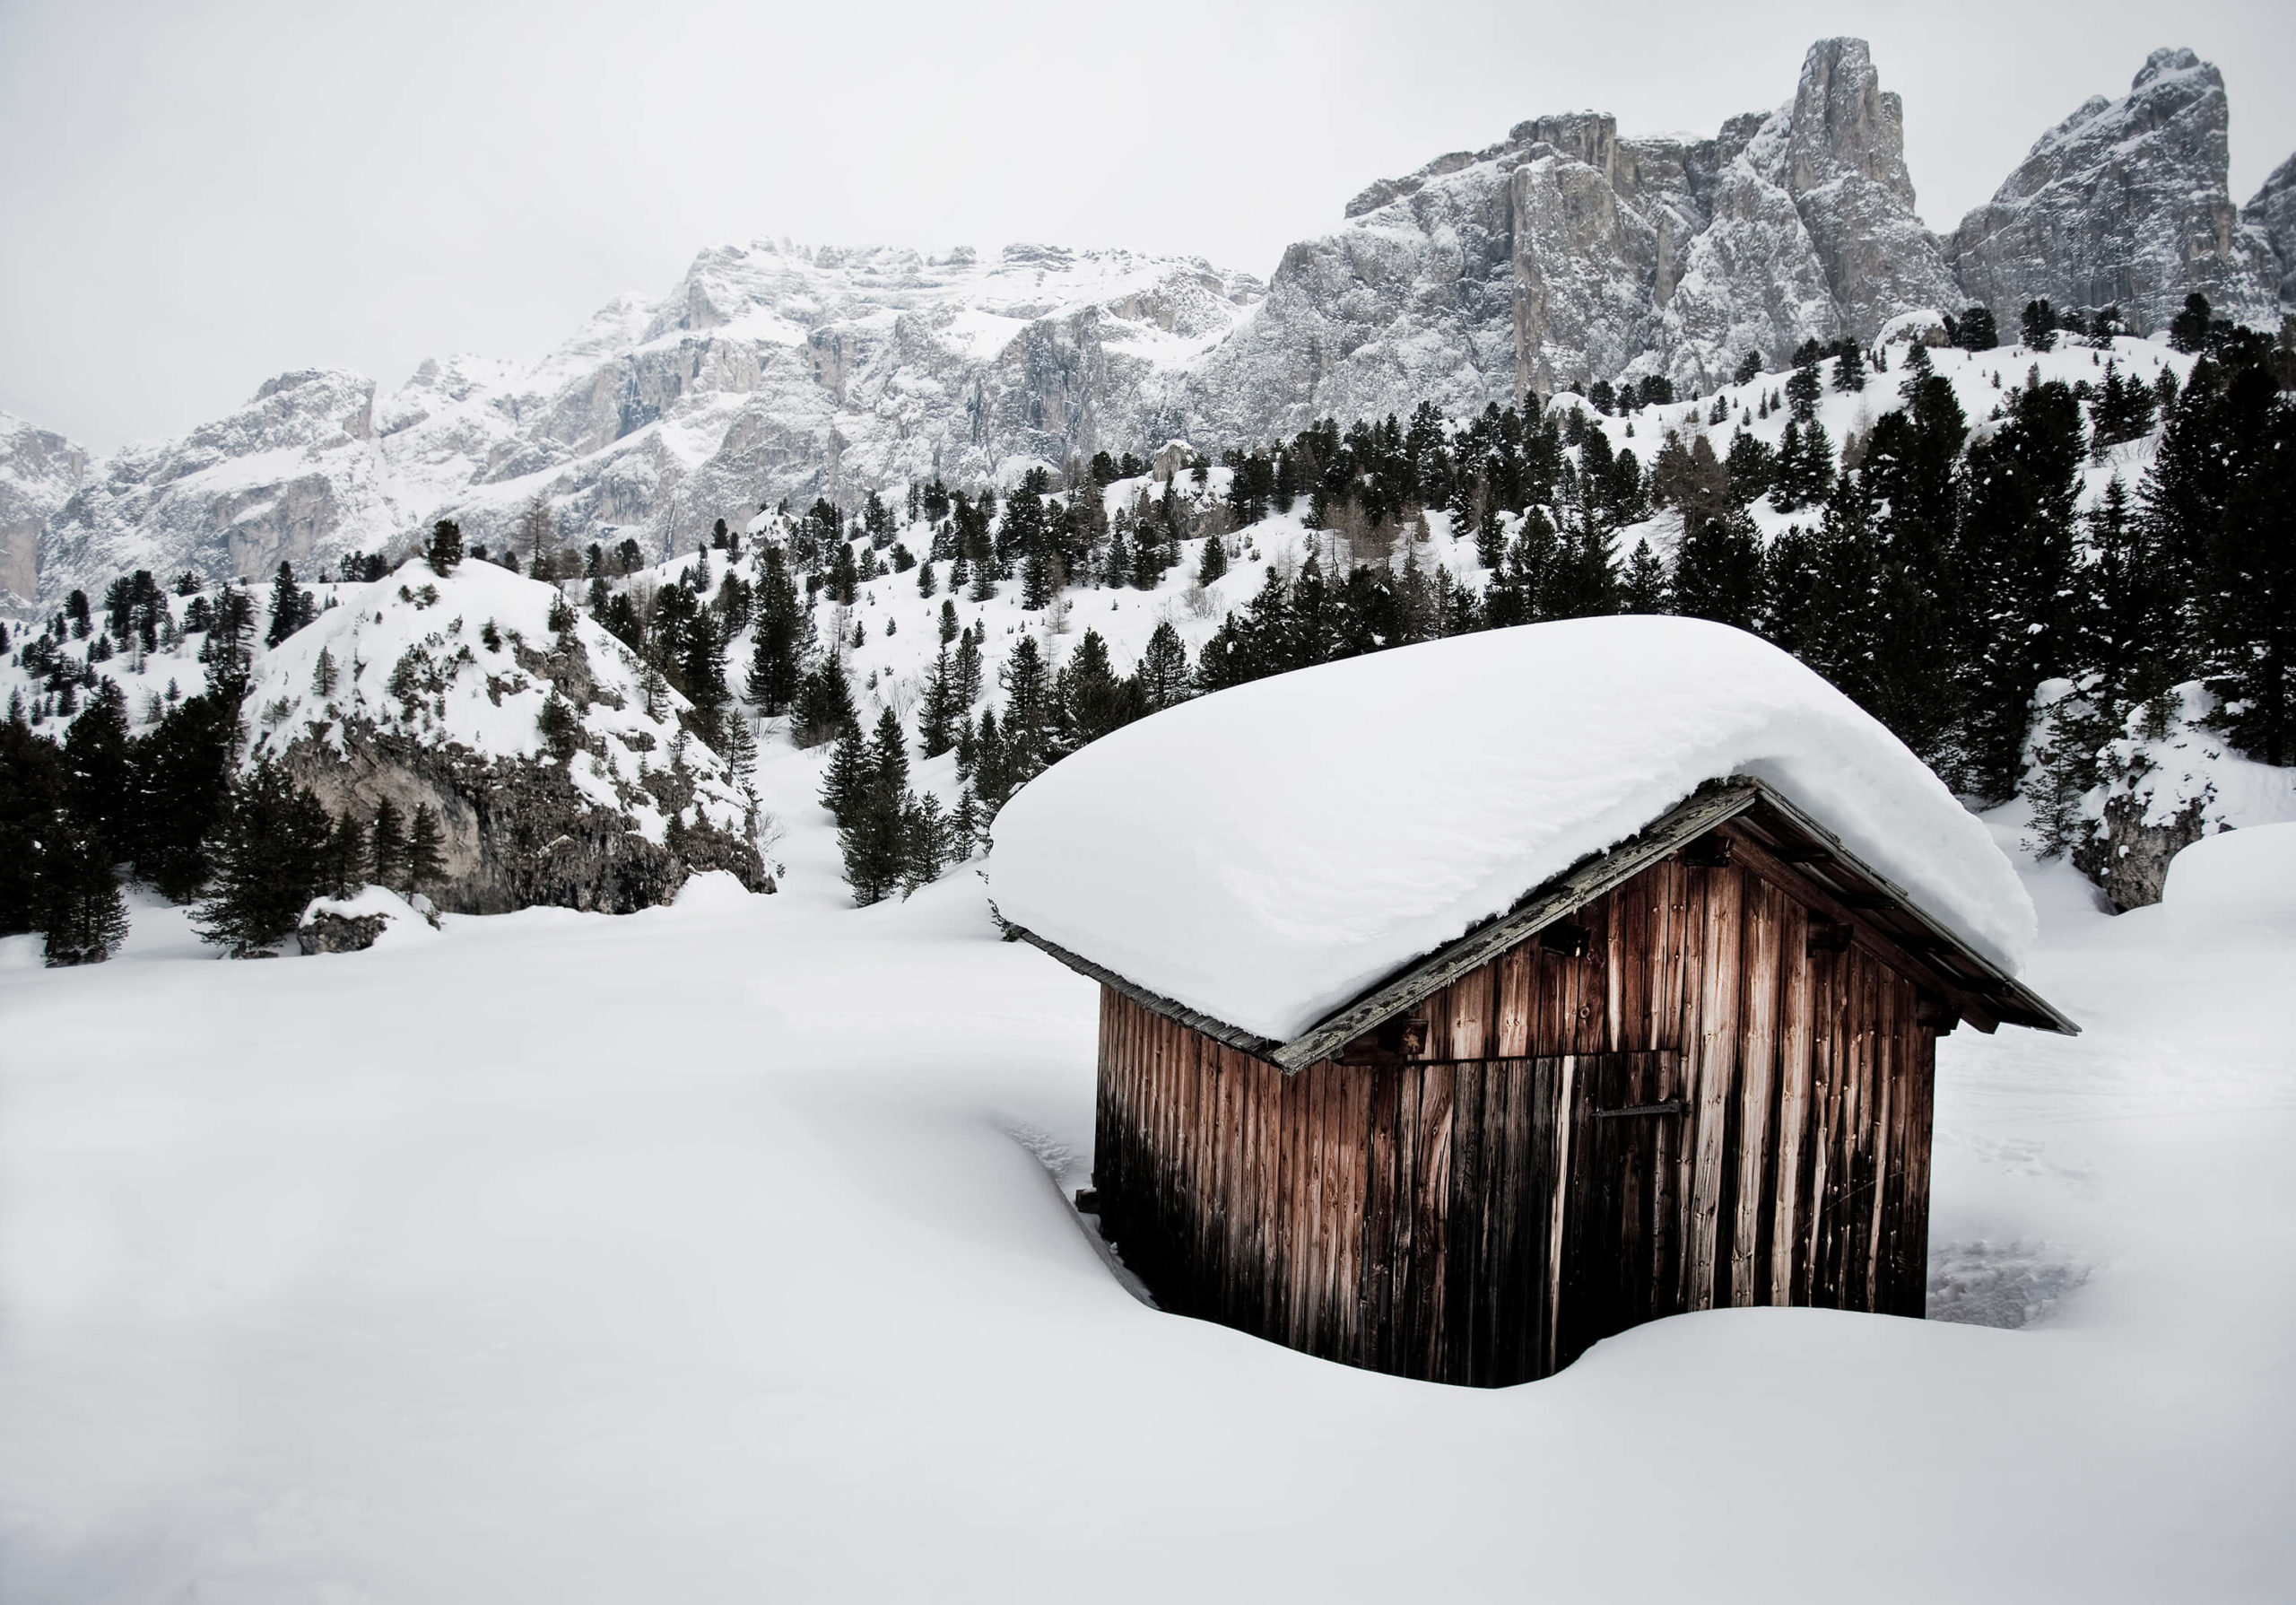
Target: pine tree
(845, 781)
(969, 674)
(873, 834)
(445, 548)
(98, 767)
(937, 709)
(2190, 328)
(1643, 588)
(1031, 713)
(32, 799)
(823, 709)
(1094, 700)
(1718, 571)
(346, 857)
(702, 676)
(291, 607)
(2037, 326)
(990, 769)
(741, 751)
(425, 861)
(2123, 410)
(1849, 368)
(182, 789)
(2246, 607)
(386, 852)
(784, 637)
(226, 651)
(1214, 563)
(1583, 581)
(1040, 579)
(1163, 668)
(2016, 560)
(82, 914)
(1912, 467)
(325, 675)
(270, 862)
(928, 839)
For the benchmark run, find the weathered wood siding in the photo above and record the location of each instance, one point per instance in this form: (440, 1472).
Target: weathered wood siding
(1472, 1207)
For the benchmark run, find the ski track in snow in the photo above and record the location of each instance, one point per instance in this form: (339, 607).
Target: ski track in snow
(722, 1251)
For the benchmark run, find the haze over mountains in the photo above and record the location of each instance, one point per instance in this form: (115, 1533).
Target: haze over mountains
(1563, 254)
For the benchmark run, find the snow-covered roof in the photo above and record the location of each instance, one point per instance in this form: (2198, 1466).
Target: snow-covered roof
(1265, 854)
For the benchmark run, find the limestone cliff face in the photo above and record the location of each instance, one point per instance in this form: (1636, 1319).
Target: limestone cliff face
(2272, 212)
(293, 475)
(2124, 202)
(1842, 159)
(1567, 253)
(39, 472)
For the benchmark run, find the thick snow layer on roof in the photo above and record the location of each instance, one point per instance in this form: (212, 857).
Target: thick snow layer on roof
(1267, 853)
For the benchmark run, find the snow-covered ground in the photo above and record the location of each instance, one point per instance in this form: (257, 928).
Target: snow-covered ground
(722, 1251)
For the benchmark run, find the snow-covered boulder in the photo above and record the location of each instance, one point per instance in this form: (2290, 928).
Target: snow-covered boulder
(442, 692)
(2170, 782)
(1924, 325)
(1267, 853)
(372, 917)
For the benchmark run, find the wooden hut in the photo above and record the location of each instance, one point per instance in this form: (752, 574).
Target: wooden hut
(1691, 1070)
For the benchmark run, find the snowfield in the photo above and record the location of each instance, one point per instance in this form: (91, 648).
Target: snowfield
(723, 1251)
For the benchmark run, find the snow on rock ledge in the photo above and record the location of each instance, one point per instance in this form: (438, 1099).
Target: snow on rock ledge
(1265, 854)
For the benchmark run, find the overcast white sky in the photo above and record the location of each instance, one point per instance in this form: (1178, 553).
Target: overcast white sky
(196, 197)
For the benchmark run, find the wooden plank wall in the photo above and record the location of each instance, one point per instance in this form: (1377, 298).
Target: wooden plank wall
(1410, 1217)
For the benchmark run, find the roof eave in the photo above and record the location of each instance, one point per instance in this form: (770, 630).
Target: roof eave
(1711, 805)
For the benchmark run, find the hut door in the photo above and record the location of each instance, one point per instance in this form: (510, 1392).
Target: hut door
(1619, 1254)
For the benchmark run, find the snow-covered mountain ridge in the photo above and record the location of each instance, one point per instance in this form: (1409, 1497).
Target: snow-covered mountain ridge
(769, 371)
(1563, 254)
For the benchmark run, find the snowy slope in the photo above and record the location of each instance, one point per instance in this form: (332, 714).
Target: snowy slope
(722, 1252)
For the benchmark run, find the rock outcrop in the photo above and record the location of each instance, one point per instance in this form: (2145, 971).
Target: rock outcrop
(2124, 204)
(432, 693)
(2272, 212)
(2169, 780)
(39, 472)
(323, 930)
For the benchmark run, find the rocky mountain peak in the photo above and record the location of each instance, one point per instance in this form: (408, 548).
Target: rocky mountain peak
(2272, 211)
(2124, 204)
(1844, 124)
